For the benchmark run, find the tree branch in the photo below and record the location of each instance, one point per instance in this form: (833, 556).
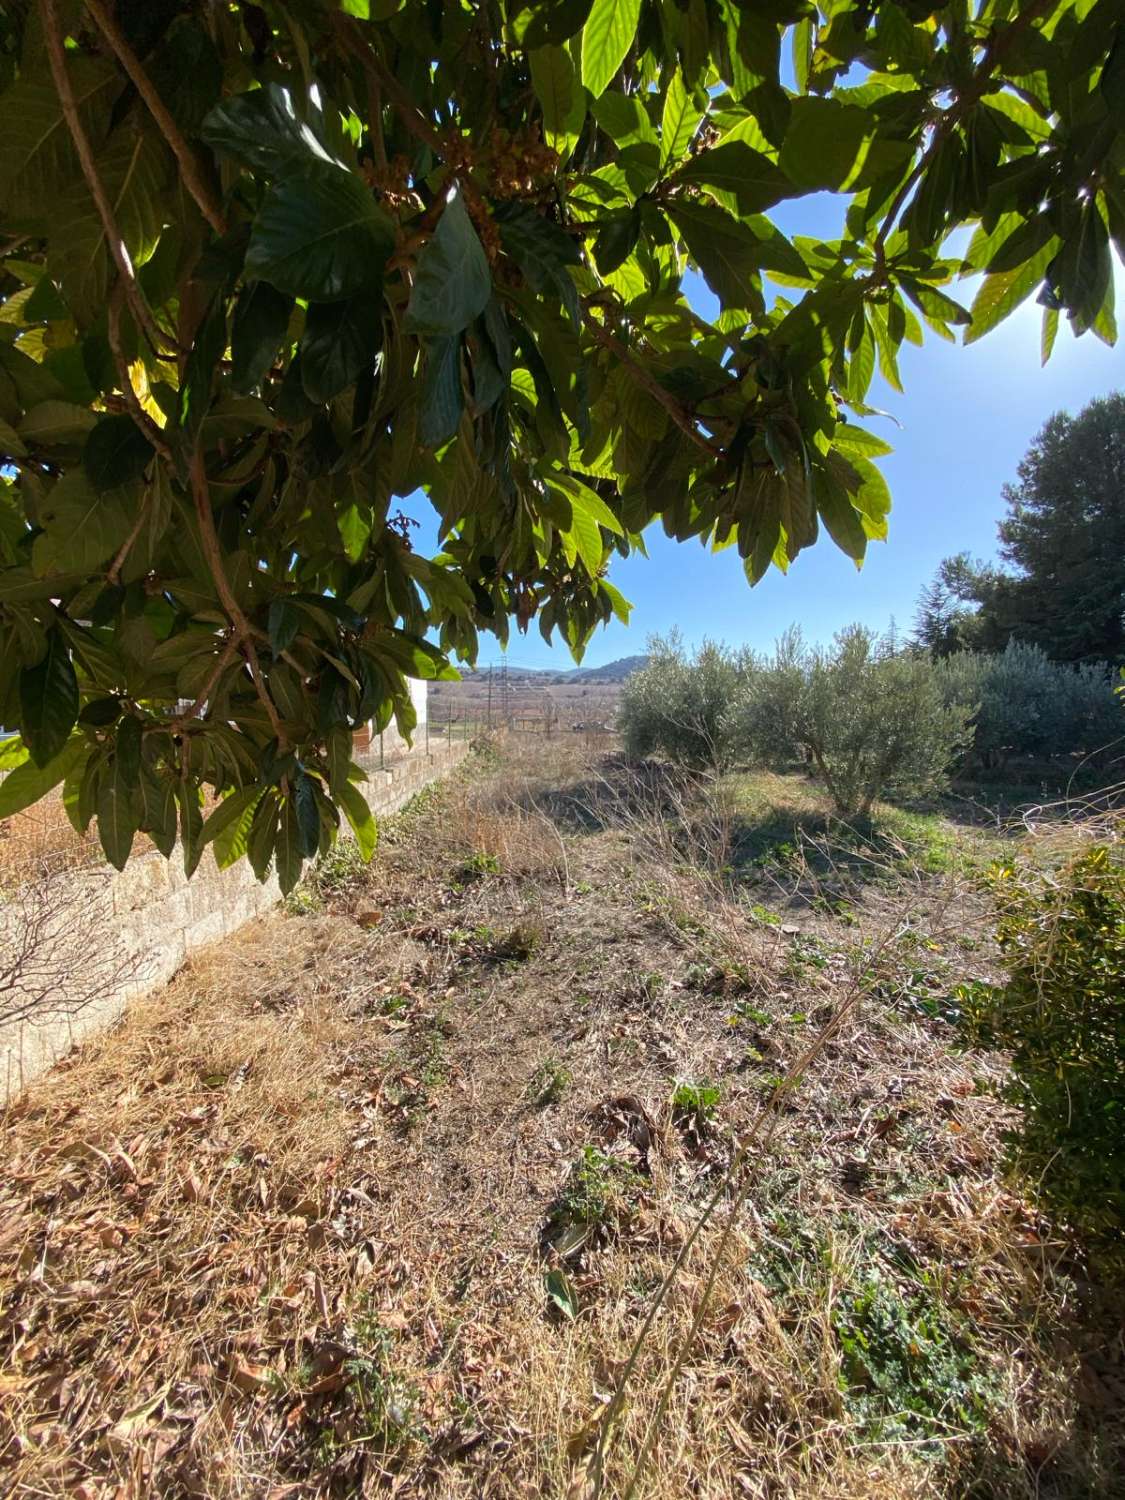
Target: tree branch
(243, 632)
(56, 55)
(413, 118)
(679, 414)
(229, 652)
(189, 165)
(113, 573)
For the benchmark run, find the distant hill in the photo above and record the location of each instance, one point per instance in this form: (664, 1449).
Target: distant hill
(613, 671)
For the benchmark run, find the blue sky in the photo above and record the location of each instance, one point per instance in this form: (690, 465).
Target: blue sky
(967, 417)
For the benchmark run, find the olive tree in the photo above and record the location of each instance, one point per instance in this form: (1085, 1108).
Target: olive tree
(680, 705)
(1025, 704)
(870, 720)
(265, 267)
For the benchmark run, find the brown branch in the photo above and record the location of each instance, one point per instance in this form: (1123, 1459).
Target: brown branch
(56, 55)
(679, 413)
(998, 44)
(386, 82)
(189, 165)
(230, 651)
(113, 573)
(212, 552)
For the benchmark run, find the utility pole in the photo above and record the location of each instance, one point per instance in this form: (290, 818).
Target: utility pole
(490, 699)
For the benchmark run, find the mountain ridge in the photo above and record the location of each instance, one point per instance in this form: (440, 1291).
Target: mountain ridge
(613, 671)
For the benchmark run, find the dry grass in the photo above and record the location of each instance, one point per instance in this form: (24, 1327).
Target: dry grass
(285, 1231)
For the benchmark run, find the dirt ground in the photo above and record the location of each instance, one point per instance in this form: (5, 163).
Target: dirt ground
(543, 1158)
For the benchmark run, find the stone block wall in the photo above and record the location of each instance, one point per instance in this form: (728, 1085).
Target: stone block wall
(143, 922)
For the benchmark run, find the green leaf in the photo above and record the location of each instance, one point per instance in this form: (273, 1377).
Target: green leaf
(116, 452)
(11, 444)
(57, 424)
(624, 118)
(872, 499)
(679, 120)
(841, 520)
(1082, 271)
(308, 814)
(1112, 82)
(13, 753)
(339, 755)
(229, 811)
(1002, 292)
(441, 392)
(561, 1293)
(82, 529)
(452, 283)
(137, 171)
(48, 700)
(725, 251)
(319, 234)
(620, 605)
(28, 782)
(588, 500)
(360, 816)
(825, 143)
(127, 747)
(263, 833)
(340, 342)
(284, 624)
(561, 96)
(261, 321)
(739, 172)
(37, 155)
(606, 38)
(232, 842)
(191, 826)
(118, 808)
(263, 130)
(1049, 333)
(617, 240)
(158, 817)
(289, 847)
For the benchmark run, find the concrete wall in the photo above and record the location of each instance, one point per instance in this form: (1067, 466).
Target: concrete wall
(135, 928)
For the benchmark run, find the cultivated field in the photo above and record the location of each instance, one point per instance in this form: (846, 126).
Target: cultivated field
(602, 1119)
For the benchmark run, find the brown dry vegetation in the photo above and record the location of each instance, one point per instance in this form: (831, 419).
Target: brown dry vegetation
(291, 1228)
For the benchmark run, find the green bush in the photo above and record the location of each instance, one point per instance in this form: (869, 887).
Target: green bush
(870, 719)
(1061, 1014)
(1023, 702)
(679, 705)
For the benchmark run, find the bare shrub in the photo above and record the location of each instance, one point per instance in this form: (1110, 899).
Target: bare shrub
(60, 950)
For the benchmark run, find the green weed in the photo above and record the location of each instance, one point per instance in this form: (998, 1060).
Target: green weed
(548, 1083)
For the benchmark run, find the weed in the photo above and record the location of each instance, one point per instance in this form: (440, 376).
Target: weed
(744, 1011)
(549, 1082)
(597, 1191)
(338, 872)
(905, 1372)
(518, 944)
(384, 1405)
(807, 952)
(694, 1104)
(476, 867)
(763, 914)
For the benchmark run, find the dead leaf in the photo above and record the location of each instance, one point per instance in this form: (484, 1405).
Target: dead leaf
(250, 1377)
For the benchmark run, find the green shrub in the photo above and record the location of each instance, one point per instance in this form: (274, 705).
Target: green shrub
(679, 705)
(1022, 701)
(871, 720)
(1061, 1014)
